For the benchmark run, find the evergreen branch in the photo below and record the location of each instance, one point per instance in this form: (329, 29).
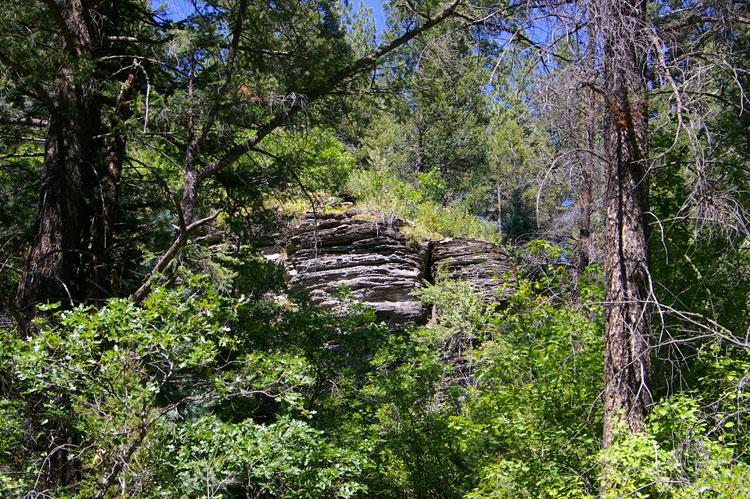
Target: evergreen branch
(364, 63)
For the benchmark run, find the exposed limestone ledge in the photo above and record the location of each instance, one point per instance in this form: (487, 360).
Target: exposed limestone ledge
(482, 264)
(381, 266)
(374, 260)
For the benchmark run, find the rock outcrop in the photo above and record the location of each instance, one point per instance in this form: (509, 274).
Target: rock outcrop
(478, 262)
(372, 259)
(381, 266)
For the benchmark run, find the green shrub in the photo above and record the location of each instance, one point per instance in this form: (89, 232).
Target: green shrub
(381, 191)
(172, 398)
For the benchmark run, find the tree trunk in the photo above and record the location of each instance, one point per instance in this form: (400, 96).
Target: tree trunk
(58, 257)
(584, 222)
(103, 283)
(68, 259)
(627, 323)
(499, 211)
(420, 161)
(57, 260)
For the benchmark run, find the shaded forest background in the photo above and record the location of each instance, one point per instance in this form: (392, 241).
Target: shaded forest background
(148, 349)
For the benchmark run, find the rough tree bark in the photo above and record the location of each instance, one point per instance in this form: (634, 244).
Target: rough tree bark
(499, 210)
(584, 222)
(59, 253)
(59, 260)
(70, 253)
(627, 324)
(102, 279)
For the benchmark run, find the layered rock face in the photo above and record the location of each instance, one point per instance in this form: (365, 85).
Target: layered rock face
(370, 258)
(381, 267)
(480, 263)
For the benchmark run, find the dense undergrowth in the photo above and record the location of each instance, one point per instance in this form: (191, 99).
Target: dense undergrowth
(225, 384)
(203, 394)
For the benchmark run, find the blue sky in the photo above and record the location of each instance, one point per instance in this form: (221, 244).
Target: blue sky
(179, 9)
(377, 11)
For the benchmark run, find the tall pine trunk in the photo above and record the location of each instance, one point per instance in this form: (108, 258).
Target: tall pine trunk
(68, 260)
(58, 258)
(627, 323)
(499, 210)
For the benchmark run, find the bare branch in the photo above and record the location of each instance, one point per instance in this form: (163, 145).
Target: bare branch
(57, 14)
(38, 92)
(182, 238)
(35, 122)
(22, 155)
